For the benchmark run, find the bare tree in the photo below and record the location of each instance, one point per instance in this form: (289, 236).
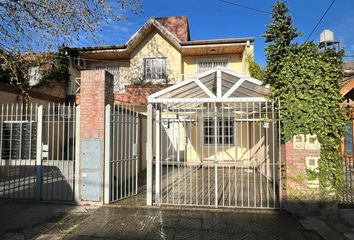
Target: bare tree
(39, 24)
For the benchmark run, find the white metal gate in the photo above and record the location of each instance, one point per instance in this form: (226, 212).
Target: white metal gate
(122, 149)
(217, 154)
(37, 151)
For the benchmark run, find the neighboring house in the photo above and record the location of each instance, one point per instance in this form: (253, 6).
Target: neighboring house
(161, 52)
(54, 90)
(348, 82)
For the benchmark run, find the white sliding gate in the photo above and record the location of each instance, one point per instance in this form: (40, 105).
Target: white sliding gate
(37, 151)
(214, 141)
(122, 152)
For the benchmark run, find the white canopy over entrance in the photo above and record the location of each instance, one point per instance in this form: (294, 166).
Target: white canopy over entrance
(213, 141)
(216, 85)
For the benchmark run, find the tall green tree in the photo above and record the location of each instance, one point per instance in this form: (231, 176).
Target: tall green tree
(279, 35)
(306, 82)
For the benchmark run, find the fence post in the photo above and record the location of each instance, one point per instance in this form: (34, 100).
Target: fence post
(149, 155)
(38, 184)
(77, 155)
(107, 153)
(158, 155)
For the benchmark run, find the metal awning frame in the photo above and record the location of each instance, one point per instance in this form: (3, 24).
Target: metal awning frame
(198, 92)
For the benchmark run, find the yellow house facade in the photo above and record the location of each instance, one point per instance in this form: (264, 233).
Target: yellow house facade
(159, 54)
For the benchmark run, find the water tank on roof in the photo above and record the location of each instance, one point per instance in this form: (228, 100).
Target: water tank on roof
(326, 36)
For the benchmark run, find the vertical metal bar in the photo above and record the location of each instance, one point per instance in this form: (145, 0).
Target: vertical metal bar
(30, 151)
(128, 154)
(125, 130)
(121, 147)
(190, 171)
(77, 155)
(209, 142)
(47, 114)
(137, 142)
(168, 142)
(201, 130)
(11, 182)
(216, 153)
(280, 160)
(254, 155)
(18, 182)
(2, 164)
(185, 163)
(113, 186)
(54, 172)
(174, 146)
(72, 157)
(260, 156)
(62, 151)
(107, 153)
(39, 154)
(58, 151)
(149, 155)
(249, 154)
(242, 155)
(236, 150)
(267, 159)
(178, 155)
(196, 153)
(68, 179)
(157, 152)
(229, 137)
(222, 142)
(273, 154)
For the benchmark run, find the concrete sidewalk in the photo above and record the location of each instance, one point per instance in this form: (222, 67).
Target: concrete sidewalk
(344, 225)
(25, 220)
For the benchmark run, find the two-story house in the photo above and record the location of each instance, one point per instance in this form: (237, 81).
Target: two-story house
(160, 53)
(207, 121)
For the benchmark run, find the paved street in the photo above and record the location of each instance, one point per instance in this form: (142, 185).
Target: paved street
(123, 223)
(54, 221)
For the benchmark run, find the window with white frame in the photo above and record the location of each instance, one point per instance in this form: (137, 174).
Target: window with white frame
(155, 68)
(209, 63)
(225, 131)
(114, 70)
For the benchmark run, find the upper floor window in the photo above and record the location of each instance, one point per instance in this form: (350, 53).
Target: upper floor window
(155, 68)
(209, 63)
(114, 70)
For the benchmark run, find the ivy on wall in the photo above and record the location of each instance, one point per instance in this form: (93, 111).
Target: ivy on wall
(306, 83)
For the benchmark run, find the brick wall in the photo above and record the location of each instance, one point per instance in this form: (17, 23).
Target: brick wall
(295, 180)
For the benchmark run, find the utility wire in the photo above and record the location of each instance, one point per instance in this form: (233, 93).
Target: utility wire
(319, 21)
(246, 7)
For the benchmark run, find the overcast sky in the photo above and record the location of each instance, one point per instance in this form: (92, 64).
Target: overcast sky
(210, 19)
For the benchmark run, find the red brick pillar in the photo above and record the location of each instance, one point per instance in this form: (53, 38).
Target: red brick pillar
(95, 93)
(297, 186)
